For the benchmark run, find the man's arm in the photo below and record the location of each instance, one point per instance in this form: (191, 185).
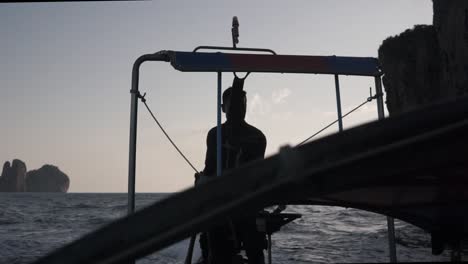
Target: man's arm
(210, 159)
(259, 145)
(263, 145)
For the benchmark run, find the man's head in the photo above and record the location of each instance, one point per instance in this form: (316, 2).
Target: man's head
(226, 106)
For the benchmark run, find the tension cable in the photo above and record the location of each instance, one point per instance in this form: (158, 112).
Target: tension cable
(143, 99)
(369, 99)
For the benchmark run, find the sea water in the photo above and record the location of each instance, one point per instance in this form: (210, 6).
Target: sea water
(33, 224)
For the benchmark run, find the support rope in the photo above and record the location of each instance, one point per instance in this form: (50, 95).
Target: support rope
(143, 99)
(369, 99)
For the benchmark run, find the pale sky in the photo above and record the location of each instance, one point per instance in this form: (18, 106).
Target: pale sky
(65, 72)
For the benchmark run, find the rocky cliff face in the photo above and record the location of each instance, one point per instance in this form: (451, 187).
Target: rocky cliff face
(428, 63)
(48, 178)
(13, 176)
(451, 24)
(410, 62)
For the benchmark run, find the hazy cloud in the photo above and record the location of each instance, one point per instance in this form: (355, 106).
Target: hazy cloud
(279, 96)
(258, 105)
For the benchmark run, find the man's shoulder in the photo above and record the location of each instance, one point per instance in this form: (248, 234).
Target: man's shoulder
(212, 132)
(254, 131)
(251, 130)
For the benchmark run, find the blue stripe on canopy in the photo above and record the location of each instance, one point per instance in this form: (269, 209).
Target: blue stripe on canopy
(355, 66)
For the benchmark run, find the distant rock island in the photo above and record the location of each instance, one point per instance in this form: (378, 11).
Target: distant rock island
(49, 178)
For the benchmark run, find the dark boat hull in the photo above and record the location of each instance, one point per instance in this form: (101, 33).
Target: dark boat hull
(412, 167)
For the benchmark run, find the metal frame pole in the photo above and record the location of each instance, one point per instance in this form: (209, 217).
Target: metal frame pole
(391, 239)
(338, 103)
(219, 164)
(269, 249)
(132, 146)
(390, 220)
(135, 94)
(380, 103)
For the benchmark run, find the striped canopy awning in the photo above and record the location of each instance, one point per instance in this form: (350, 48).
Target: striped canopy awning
(231, 62)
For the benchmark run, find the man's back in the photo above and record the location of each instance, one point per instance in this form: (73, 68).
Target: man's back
(241, 143)
(252, 146)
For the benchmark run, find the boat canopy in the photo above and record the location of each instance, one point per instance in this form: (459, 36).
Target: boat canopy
(232, 62)
(244, 62)
(295, 175)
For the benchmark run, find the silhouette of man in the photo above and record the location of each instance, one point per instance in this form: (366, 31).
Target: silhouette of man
(250, 145)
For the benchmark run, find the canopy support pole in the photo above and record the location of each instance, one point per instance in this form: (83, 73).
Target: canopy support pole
(135, 95)
(338, 103)
(219, 164)
(391, 239)
(390, 220)
(380, 103)
(132, 149)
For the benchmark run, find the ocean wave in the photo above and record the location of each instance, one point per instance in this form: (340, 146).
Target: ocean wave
(120, 207)
(9, 222)
(44, 219)
(99, 220)
(84, 206)
(16, 259)
(34, 225)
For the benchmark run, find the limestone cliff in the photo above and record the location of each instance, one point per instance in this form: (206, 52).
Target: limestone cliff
(428, 63)
(13, 177)
(451, 24)
(410, 62)
(47, 179)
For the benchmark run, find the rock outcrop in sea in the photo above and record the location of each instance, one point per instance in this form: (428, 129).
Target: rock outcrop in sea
(428, 63)
(48, 178)
(451, 25)
(13, 176)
